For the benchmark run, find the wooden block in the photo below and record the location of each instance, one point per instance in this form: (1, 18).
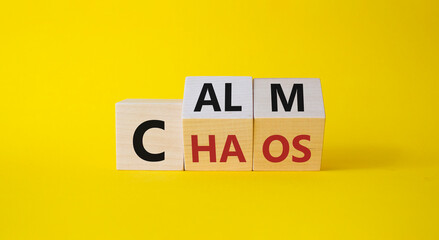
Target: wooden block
(289, 122)
(149, 134)
(218, 123)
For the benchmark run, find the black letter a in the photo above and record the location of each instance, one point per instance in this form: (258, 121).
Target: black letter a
(213, 100)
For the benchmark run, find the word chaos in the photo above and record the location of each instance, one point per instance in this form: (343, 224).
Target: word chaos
(225, 124)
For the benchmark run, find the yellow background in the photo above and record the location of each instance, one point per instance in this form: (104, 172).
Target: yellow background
(64, 64)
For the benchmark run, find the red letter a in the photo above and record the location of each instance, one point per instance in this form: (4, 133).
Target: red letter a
(226, 152)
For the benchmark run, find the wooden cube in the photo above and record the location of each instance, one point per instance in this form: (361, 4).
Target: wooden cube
(218, 123)
(149, 134)
(289, 121)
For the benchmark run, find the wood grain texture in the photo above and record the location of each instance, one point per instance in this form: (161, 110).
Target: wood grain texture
(221, 129)
(223, 125)
(289, 128)
(130, 114)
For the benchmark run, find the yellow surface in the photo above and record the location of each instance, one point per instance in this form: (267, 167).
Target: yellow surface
(64, 64)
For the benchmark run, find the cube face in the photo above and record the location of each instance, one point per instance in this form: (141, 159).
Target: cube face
(218, 123)
(289, 120)
(149, 134)
(288, 98)
(208, 98)
(218, 144)
(280, 137)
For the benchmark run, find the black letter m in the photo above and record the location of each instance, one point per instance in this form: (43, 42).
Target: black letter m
(276, 89)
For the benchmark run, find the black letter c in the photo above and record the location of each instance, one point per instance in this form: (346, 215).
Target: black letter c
(138, 141)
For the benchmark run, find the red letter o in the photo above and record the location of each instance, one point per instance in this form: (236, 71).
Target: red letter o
(266, 148)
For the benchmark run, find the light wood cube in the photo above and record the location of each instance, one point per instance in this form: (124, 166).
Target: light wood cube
(218, 123)
(289, 122)
(149, 134)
